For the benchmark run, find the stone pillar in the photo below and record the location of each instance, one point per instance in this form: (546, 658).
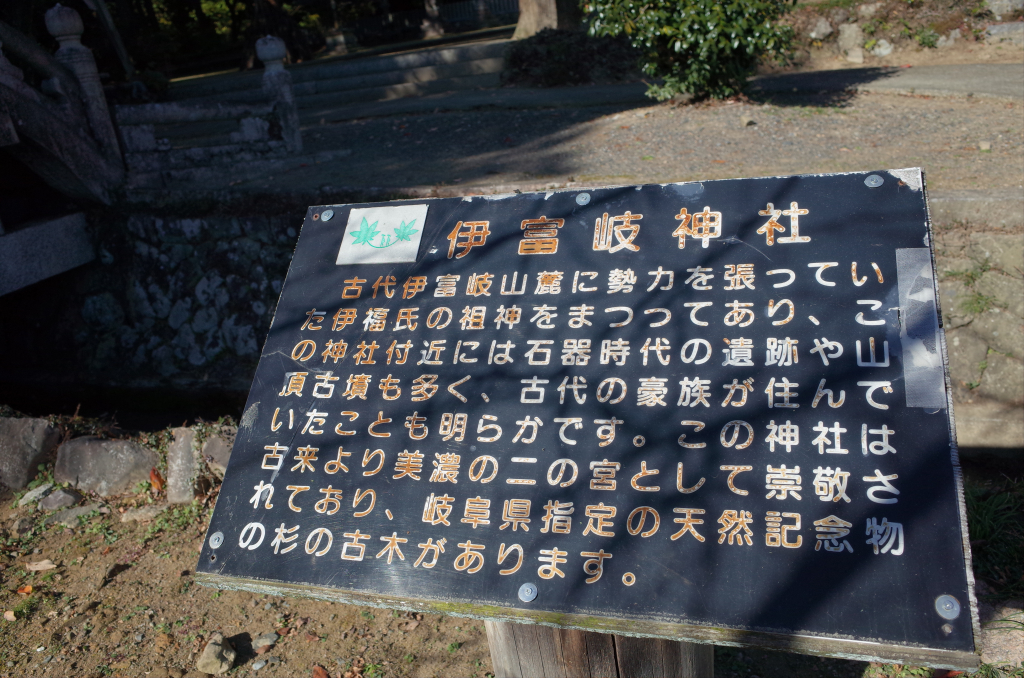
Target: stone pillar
(181, 467)
(66, 25)
(277, 83)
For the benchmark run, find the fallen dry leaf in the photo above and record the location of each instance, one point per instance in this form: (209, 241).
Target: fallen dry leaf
(163, 641)
(9, 615)
(40, 566)
(156, 480)
(105, 551)
(25, 590)
(283, 631)
(312, 636)
(320, 672)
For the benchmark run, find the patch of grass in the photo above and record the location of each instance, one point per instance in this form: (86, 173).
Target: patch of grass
(997, 534)
(970, 276)
(176, 519)
(409, 659)
(366, 614)
(977, 303)
(1005, 671)
(373, 671)
(454, 647)
(103, 528)
(26, 607)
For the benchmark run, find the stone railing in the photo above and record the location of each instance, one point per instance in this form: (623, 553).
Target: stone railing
(265, 130)
(62, 130)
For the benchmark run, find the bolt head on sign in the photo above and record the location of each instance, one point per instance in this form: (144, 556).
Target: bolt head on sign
(711, 411)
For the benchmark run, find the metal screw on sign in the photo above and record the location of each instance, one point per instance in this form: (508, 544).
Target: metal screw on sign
(583, 199)
(216, 539)
(947, 606)
(527, 592)
(874, 181)
(326, 215)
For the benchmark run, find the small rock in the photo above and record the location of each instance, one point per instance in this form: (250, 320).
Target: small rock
(748, 122)
(105, 467)
(867, 11)
(1001, 8)
(175, 672)
(181, 467)
(41, 566)
(138, 637)
(268, 606)
(882, 48)
(259, 664)
(265, 642)
(36, 494)
(23, 445)
(855, 55)
(948, 41)
(60, 499)
(850, 37)
(69, 517)
(143, 514)
(820, 30)
(273, 660)
(984, 145)
(1011, 32)
(838, 15)
(218, 656)
(22, 525)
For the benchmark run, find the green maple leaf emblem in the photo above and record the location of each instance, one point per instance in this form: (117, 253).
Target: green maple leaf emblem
(405, 230)
(366, 233)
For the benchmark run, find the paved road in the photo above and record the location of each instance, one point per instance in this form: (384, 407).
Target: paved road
(990, 80)
(1004, 81)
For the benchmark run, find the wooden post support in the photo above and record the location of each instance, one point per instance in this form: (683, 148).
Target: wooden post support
(533, 651)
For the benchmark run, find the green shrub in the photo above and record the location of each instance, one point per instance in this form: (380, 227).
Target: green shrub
(554, 58)
(926, 37)
(701, 47)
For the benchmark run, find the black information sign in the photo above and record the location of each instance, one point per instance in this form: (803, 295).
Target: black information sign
(708, 411)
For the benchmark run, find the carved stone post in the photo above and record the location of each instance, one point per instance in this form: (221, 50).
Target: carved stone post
(277, 83)
(66, 25)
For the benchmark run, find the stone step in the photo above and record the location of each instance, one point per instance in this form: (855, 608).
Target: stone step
(339, 75)
(420, 75)
(398, 91)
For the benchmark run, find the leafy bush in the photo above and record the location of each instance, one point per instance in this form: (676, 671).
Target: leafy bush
(701, 47)
(554, 58)
(926, 37)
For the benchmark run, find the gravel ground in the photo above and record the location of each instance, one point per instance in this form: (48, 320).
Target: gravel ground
(481, 151)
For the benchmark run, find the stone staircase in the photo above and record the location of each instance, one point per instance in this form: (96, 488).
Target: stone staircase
(336, 82)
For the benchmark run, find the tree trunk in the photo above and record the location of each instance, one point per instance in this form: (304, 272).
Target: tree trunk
(530, 651)
(536, 15)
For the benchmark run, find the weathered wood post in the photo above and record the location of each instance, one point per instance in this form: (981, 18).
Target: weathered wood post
(527, 651)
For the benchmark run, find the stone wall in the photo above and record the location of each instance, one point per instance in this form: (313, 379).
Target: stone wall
(176, 303)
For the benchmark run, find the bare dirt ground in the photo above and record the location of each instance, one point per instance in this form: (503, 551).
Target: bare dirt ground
(495, 150)
(120, 600)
